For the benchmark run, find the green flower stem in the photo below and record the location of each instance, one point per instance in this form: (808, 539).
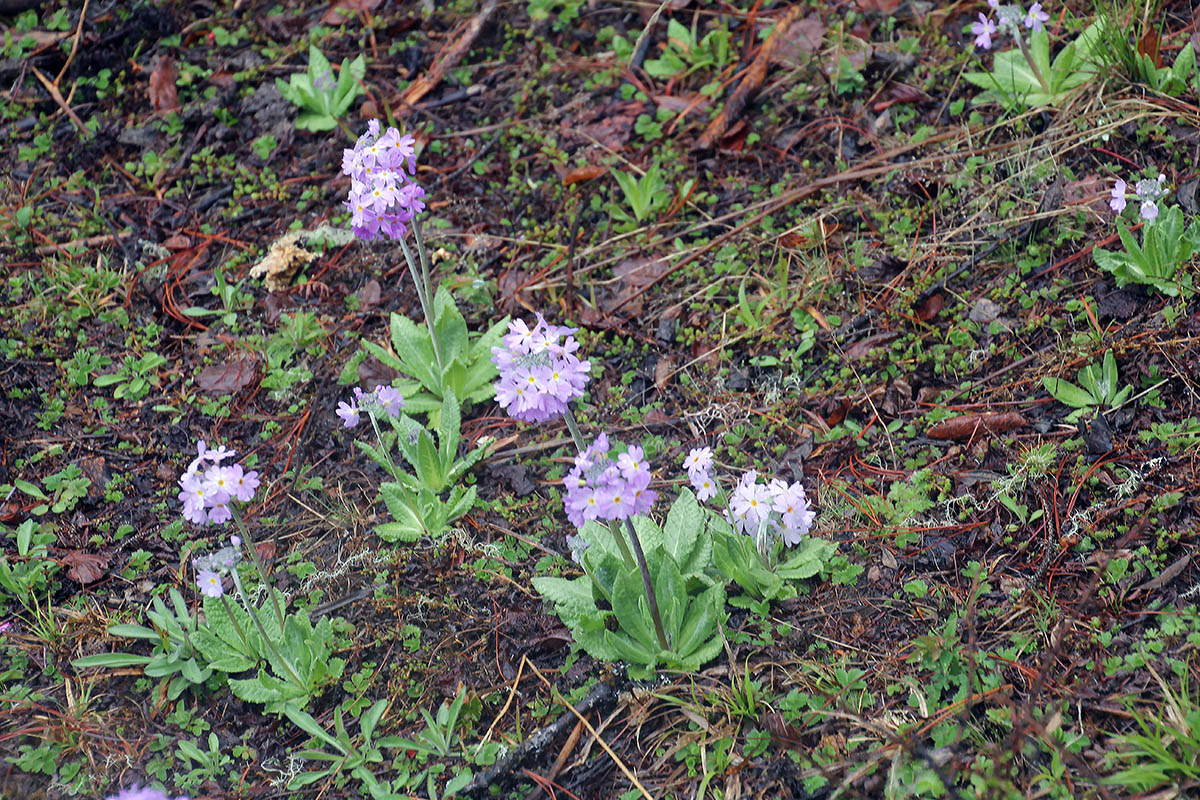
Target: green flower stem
(648, 586)
(426, 299)
(237, 626)
(287, 665)
(248, 543)
(382, 447)
(1029, 59)
(573, 427)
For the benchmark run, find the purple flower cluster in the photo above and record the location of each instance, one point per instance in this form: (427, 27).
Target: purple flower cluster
(600, 488)
(207, 487)
(698, 463)
(384, 198)
(380, 400)
(539, 374)
(1011, 18)
(779, 508)
(1147, 190)
(135, 792)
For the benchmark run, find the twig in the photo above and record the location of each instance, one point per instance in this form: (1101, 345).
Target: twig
(74, 43)
(62, 104)
(448, 56)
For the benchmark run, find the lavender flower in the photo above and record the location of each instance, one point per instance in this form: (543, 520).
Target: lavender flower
(776, 509)
(137, 793)
(384, 198)
(1036, 17)
(379, 401)
(207, 487)
(539, 374)
(600, 488)
(983, 31)
(698, 462)
(1117, 203)
(209, 583)
(1149, 210)
(704, 485)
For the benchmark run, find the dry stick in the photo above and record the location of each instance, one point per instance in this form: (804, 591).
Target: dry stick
(448, 56)
(750, 82)
(56, 95)
(74, 43)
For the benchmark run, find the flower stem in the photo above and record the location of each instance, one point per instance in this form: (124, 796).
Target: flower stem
(262, 631)
(1029, 59)
(573, 427)
(420, 280)
(648, 586)
(258, 565)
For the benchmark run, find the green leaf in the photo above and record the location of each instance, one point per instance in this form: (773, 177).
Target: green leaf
(685, 535)
(428, 466)
(449, 431)
(30, 489)
(126, 631)
(412, 346)
(1068, 393)
(113, 660)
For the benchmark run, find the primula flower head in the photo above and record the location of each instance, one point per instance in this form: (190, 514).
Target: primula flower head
(379, 401)
(599, 488)
(776, 509)
(384, 198)
(983, 31)
(1149, 210)
(207, 487)
(209, 583)
(539, 372)
(703, 484)
(1036, 17)
(1117, 203)
(137, 793)
(698, 462)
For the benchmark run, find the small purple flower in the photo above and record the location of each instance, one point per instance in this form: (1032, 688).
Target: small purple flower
(778, 510)
(599, 488)
(245, 484)
(349, 414)
(1117, 203)
(209, 583)
(218, 481)
(539, 374)
(699, 461)
(1036, 17)
(135, 792)
(389, 397)
(983, 31)
(220, 513)
(703, 483)
(235, 540)
(1149, 210)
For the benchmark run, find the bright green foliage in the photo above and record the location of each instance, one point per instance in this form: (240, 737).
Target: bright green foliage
(736, 556)
(1098, 388)
(645, 196)
(1165, 750)
(685, 53)
(174, 659)
(28, 577)
(308, 648)
(1017, 84)
(1172, 80)
(691, 599)
(341, 754)
(322, 99)
(414, 498)
(134, 377)
(1165, 247)
(467, 370)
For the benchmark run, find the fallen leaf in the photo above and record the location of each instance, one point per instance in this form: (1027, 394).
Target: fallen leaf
(639, 272)
(586, 173)
(222, 79)
(226, 377)
(368, 295)
(930, 308)
(342, 11)
(663, 371)
(84, 567)
(163, 95)
(1148, 46)
(803, 38)
(968, 425)
(177, 242)
(877, 6)
(864, 346)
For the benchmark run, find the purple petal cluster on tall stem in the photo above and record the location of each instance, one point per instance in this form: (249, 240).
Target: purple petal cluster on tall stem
(207, 487)
(539, 371)
(600, 488)
(380, 400)
(1147, 192)
(384, 197)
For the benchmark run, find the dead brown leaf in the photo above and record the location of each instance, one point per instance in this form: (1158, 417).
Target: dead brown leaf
(342, 11)
(580, 174)
(163, 95)
(85, 567)
(663, 371)
(226, 377)
(368, 295)
(802, 39)
(968, 425)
